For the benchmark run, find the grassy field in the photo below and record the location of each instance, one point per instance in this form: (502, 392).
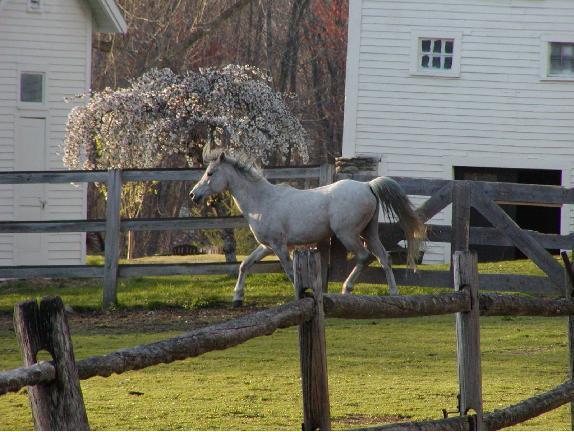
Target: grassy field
(379, 370)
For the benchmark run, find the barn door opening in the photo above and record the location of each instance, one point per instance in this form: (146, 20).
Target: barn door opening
(30, 199)
(544, 219)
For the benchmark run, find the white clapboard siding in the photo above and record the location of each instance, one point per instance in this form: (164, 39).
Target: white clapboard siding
(58, 43)
(498, 112)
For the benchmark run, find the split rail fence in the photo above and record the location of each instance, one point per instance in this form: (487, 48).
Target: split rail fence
(463, 195)
(54, 386)
(113, 225)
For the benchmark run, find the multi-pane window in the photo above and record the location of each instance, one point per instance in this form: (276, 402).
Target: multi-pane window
(561, 58)
(436, 54)
(32, 87)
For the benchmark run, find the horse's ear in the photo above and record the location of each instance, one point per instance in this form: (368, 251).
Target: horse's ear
(221, 157)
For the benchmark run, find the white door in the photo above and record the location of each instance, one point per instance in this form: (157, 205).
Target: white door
(30, 200)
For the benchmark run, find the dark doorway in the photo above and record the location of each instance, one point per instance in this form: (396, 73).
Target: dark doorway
(537, 218)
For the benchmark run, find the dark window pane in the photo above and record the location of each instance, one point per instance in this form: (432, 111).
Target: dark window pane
(437, 46)
(425, 45)
(31, 87)
(436, 62)
(425, 61)
(448, 47)
(556, 48)
(448, 62)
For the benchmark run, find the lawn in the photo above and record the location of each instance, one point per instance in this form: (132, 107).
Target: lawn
(379, 370)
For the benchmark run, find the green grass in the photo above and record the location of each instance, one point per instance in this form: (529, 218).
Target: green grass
(379, 370)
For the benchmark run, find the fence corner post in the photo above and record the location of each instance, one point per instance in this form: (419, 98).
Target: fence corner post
(112, 246)
(468, 336)
(58, 405)
(461, 199)
(312, 347)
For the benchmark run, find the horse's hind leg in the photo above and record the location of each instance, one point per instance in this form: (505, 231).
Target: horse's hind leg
(260, 252)
(374, 244)
(354, 244)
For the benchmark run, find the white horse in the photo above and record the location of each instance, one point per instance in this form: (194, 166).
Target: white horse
(281, 216)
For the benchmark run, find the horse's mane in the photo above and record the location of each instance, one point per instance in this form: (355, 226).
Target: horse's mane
(245, 167)
(242, 163)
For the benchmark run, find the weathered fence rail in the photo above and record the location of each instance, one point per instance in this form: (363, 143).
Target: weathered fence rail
(483, 196)
(57, 402)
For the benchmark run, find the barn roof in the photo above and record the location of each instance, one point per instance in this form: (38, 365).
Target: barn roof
(107, 16)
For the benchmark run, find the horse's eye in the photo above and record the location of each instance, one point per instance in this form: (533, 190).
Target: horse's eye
(209, 174)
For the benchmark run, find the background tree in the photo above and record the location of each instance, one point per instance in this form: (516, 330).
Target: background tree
(300, 43)
(165, 119)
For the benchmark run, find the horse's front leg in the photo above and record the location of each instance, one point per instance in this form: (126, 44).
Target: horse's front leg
(260, 252)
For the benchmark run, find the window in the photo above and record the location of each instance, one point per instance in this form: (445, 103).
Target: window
(32, 87)
(35, 5)
(435, 54)
(561, 58)
(557, 57)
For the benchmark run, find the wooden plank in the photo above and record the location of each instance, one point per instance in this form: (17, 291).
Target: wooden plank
(312, 346)
(194, 174)
(513, 305)
(137, 270)
(527, 245)
(198, 341)
(436, 202)
(527, 193)
(490, 236)
(16, 379)
(57, 405)
(468, 336)
(374, 307)
(190, 223)
(27, 177)
(53, 226)
(461, 198)
(54, 271)
(112, 247)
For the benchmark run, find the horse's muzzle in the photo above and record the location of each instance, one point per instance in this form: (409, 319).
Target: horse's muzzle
(196, 198)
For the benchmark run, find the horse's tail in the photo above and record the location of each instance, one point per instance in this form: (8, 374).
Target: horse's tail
(397, 206)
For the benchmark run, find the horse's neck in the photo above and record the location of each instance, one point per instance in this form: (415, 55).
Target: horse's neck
(250, 196)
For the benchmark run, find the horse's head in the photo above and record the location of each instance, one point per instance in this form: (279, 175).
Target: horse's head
(213, 181)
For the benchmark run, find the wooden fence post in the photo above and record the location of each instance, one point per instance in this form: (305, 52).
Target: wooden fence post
(461, 198)
(58, 405)
(312, 348)
(468, 337)
(569, 291)
(112, 251)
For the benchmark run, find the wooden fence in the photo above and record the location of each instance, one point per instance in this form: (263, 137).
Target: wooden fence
(484, 197)
(57, 402)
(462, 194)
(113, 224)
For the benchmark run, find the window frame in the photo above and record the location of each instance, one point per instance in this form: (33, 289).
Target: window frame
(416, 70)
(32, 9)
(32, 69)
(545, 41)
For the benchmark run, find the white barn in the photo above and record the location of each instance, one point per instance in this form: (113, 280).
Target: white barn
(45, 57)
(469, 89)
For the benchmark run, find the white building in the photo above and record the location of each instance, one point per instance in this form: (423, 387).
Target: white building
(45, 57)
(474, 89)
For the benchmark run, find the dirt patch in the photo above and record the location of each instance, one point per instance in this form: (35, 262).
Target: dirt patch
(143, 321)
(365, 419)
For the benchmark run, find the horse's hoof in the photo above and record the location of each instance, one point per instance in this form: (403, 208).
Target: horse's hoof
(237, 303)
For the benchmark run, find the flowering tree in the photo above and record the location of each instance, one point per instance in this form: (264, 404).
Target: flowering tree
(163, 119)
(163, 114)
